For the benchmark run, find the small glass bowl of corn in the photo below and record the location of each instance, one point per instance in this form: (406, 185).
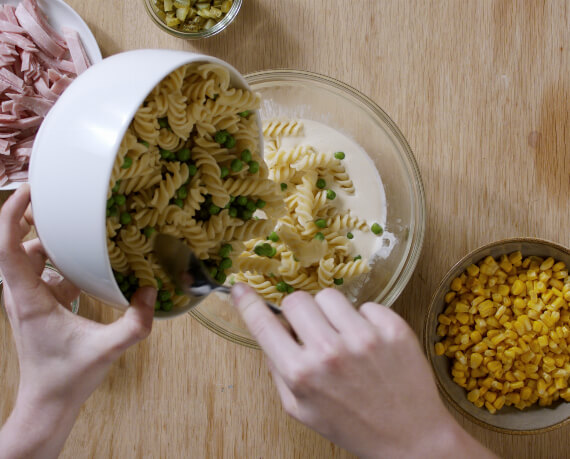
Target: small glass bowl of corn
(498, 335)
(192, 19)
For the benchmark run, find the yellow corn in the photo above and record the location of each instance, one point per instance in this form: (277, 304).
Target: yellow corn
(505, 325)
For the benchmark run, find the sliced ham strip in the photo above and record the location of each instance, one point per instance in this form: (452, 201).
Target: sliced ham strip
(14, 81)
(61, 85)
(10, 14)
(33, 9)
(76, 50)
(40, 36)
(6, 26)
(43, 89)
(60, 64)
(38, 105)
(18, 40)
(19, 176)
(22, 123)
(4, 147)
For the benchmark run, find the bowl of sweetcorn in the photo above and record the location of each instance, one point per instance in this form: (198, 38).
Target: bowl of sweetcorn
(497, 334)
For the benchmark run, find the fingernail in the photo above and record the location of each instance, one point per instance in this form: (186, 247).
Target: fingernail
(238, 291)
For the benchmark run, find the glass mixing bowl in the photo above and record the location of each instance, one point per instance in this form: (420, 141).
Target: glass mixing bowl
(293, 94)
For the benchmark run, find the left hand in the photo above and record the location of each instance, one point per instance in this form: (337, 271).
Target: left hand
(63, 357)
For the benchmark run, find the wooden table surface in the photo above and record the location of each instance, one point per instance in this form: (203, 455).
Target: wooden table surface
(480, 89)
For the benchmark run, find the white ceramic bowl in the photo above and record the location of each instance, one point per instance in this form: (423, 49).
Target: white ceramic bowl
(73, 156)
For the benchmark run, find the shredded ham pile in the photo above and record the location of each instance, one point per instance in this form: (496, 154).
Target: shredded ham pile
(36, 65)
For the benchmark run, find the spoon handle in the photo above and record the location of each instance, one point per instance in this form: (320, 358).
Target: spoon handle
(224, 289)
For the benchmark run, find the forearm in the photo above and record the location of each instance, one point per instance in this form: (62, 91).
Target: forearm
(36, 429)
(446, 441)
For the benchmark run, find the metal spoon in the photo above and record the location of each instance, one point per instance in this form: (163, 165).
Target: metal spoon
(187, 271)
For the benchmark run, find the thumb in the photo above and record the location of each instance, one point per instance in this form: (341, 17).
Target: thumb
(136, 323)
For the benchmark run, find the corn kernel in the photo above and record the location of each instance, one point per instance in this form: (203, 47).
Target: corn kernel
(456, 284)
(473, 270)
(558, 266)
(449, 297)
(439, 348)
(517, 287)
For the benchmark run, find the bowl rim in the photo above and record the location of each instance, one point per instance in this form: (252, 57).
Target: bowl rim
(216, 29)
(428, 346)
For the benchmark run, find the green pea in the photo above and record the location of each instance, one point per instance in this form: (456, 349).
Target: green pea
(226, 263)
(357, 257)
(113, 211)
(338, 281)
(245, 113)
(349, 235)
(221, 137)
(242, 200)
(163, 122)
(264, 250)
(133, 279)
(158, 283)
(321, 223)
(213, 272)
(246, 155)
(167, 305)
(221, 277)
(124, 286)
(250, 205)
(376, 229)
(339, 155)
(165, 154)
(120, 199)
(115, 189)
(283, 186)
(246, 214)
(178, 291)
(233, 212)
(273, 236)
(163, 295)
(119, 277)
(183, 155)
(144, 142)
(260, 203)
(149, 231)
(182, 192)
(290, 289)
(128, 162)
(232, 281)
(225, 250)
(156, 305)
(179, 202)
(125, 218)
(321, 183)
(224, 171)
(230, 142)
(110, 202)
(232, 198)
(253, 167)
(192, 169)
(214, 210)
(281, 286)
(331, 194)
(320, 236)
(236, 165)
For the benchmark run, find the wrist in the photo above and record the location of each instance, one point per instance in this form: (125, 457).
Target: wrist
(37, 427)
(449, 440)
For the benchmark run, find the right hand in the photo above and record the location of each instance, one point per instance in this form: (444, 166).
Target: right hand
(358, 377)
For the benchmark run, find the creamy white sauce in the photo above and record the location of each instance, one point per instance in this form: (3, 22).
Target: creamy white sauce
(369, 199)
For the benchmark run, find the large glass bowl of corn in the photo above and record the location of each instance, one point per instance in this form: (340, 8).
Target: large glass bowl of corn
(498, 335)
(192, 19)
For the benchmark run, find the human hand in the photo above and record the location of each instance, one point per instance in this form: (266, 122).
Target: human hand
(359, 378)
(62, 357)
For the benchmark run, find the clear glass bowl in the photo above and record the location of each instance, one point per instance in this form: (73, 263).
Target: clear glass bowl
(297, 94)
(226, 21)
(50, 274)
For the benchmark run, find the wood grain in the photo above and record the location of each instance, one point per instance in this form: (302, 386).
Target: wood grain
(480, 89)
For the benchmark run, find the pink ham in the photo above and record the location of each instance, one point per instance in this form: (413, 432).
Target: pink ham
(38, 34)
(36, 66)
